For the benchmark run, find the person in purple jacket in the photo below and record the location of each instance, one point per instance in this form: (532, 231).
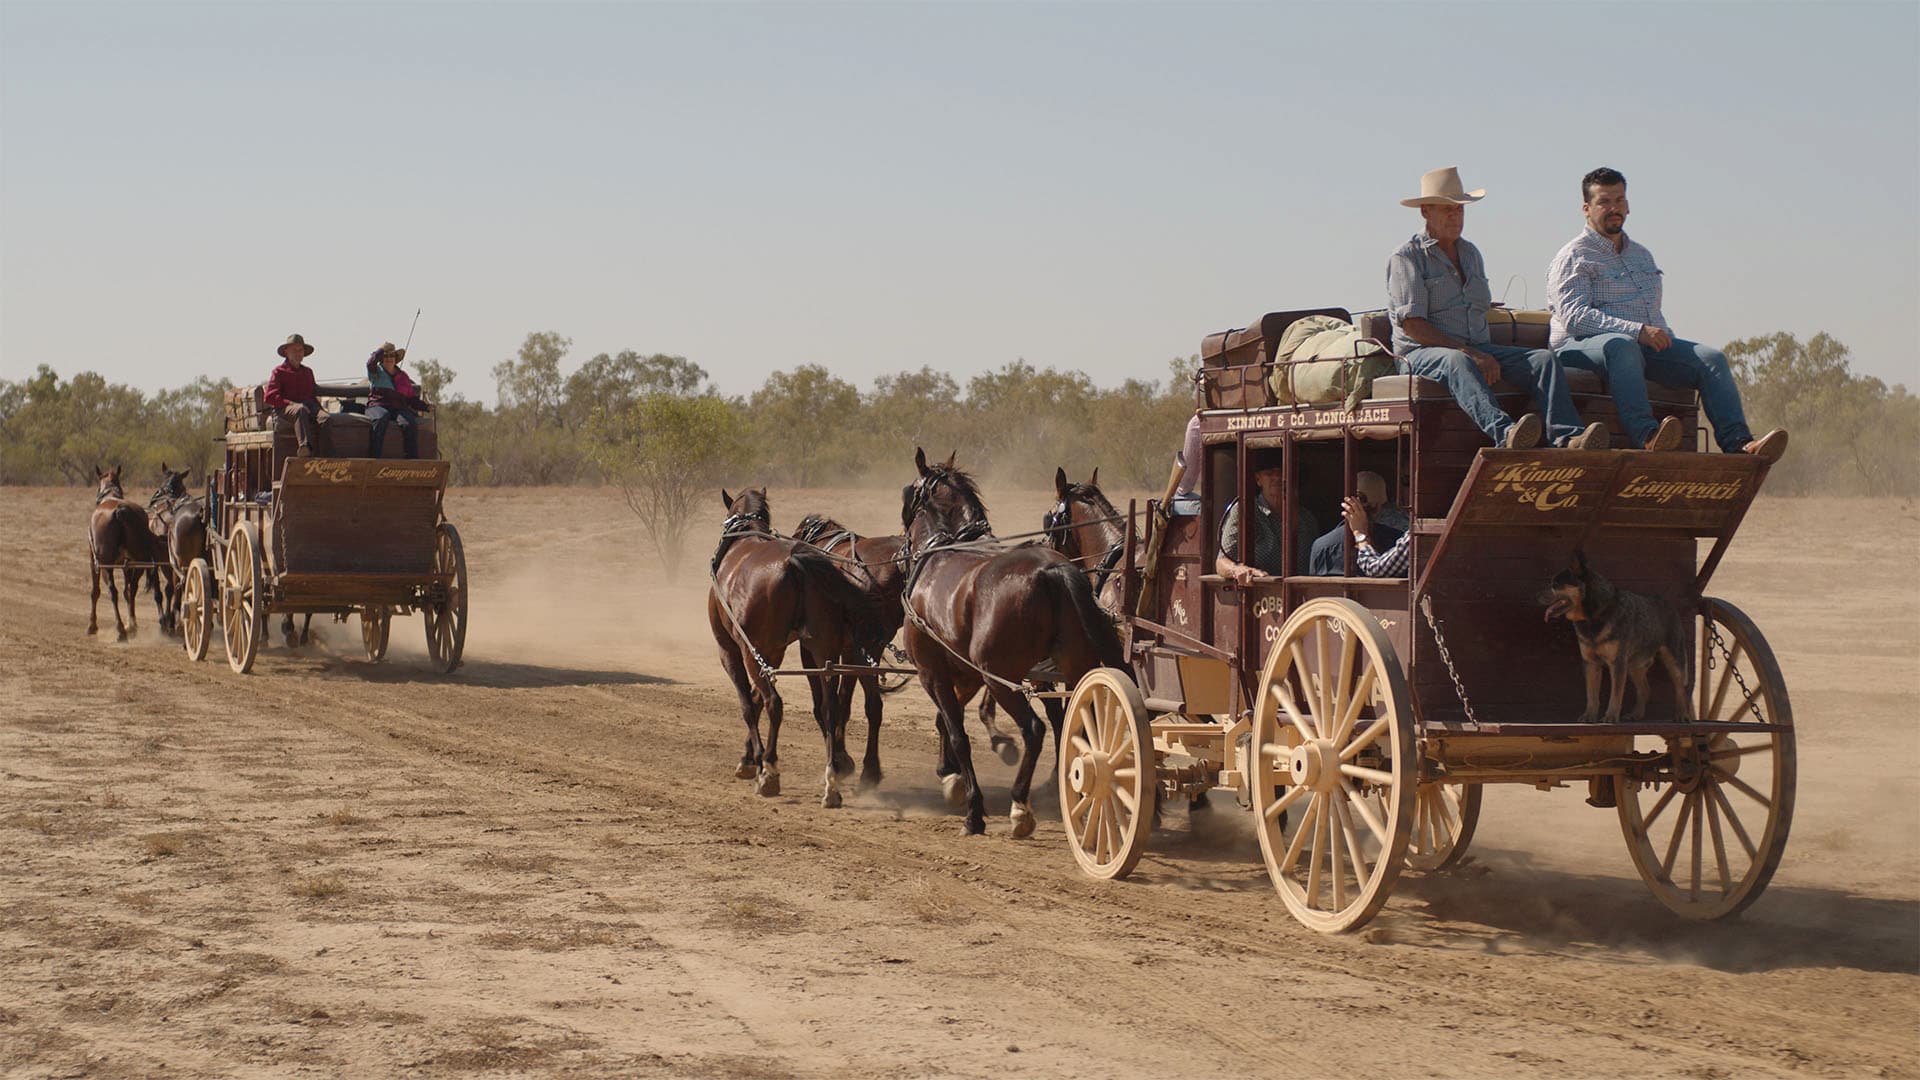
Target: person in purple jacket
(393, 400)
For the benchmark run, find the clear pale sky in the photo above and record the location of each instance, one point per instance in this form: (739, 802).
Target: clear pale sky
(880, 186)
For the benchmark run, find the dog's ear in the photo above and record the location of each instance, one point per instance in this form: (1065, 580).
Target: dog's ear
(726, 500)
(1579, 563)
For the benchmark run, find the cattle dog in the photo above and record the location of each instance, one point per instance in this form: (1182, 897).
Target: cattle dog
(1621, 633)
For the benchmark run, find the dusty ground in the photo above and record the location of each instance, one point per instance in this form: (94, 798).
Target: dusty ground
(542, 865)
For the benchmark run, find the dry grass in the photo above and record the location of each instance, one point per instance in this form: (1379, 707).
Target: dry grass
(343, 816)
(162, 844)
(929, 903)
(39, 823)
(318, 887)
(526, 863)
(143, 902)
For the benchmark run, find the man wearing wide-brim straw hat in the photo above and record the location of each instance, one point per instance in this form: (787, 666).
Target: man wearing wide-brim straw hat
(1438, 297)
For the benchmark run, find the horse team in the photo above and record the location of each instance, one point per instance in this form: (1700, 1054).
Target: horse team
(979, 613)
(155, 542)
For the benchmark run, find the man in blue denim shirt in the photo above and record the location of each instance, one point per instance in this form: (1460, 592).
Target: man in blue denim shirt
(1606, 291)
(1437, 298)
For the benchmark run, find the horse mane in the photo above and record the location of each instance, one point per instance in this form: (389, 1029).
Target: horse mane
(814, 526)
(963, 481)
(1091, 495)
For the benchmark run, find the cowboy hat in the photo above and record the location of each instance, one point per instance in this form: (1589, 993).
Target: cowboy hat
(292, 340)
(1442, 187)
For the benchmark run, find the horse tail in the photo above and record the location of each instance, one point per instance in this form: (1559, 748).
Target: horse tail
(862, 614)
(1069, 583)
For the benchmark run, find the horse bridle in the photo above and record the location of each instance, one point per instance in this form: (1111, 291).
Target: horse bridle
(1059, 527)
(976, 529)
(110, 490)
(735, 527)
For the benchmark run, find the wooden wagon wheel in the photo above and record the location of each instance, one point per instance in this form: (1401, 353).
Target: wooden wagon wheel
(198, 599)
(1444, 817)
(376, 620)
(1107, 780)
(240, 600)
(446, 619)
(1335, 771)
(1707, 842)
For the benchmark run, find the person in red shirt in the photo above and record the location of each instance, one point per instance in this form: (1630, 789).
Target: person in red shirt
(291, 392)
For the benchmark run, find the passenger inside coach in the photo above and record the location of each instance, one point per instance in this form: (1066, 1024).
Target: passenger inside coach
(1266, 542)
(1387, 520)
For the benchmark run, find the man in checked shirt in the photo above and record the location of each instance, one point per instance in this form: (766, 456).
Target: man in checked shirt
(1606, 292)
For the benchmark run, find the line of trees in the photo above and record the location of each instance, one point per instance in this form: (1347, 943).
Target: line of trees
(657, 427)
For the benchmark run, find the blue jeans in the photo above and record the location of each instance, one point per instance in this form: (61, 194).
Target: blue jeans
(381, 416)
(1627, 365)
(1536, 368)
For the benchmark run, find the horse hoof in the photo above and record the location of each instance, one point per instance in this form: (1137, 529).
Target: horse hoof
(954, 787)
(843, 765)
(974, 827)
(92, 630)
(831, 800)
(1008, 750)
(746, 771)
(1022, 822)
(869, 778)
(767, 783)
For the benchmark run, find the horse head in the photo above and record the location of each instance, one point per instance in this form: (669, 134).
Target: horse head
(944, 502)
(109, 484)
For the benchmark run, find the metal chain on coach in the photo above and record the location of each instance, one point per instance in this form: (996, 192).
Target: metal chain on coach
(1440, 642)
(1713, 632)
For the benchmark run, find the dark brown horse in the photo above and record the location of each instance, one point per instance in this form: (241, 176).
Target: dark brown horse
(881, 570)
(1086, 528)
(118, 539)
(769, 592)
(181, 519)
(981, 614)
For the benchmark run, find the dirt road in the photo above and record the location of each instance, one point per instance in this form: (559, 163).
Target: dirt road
(542, 865)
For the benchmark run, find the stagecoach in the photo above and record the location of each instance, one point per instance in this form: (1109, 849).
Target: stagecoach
(337, 533)
(1358, 717)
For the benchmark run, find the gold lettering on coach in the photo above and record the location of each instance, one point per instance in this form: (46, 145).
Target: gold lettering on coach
(1541, 487)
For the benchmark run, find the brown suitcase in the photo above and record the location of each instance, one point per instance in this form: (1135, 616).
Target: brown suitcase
(246, 408)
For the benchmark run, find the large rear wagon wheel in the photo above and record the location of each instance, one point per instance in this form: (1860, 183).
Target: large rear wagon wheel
(446, 618)
(1335, 770)
(1107, 774)
(1709, 839)
(198, 599)
(240, 597)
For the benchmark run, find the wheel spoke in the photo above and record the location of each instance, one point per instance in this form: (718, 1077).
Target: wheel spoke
(1314, 851)
(1079, 743)
(1733, 820)
(1079, 806)
(1096, 836)
(1292, 854)
(1726, 679)
(1284, 698)
(1719, 845)
(1355, 702)
(1365, 810)
(1366, 739)
(1323, 699)
(1659, 807)
(1361, 772)
(1699, 827)
(1740, 751)
(1127, 773)
(1679, 834)
(1279, 805)
(1126, 799)
(1334, 869)
(1361, 871)
(1345, 694)
(1743, 786)
(1306, 686)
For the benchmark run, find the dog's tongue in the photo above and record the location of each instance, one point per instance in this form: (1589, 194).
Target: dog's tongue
(1555, 608)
